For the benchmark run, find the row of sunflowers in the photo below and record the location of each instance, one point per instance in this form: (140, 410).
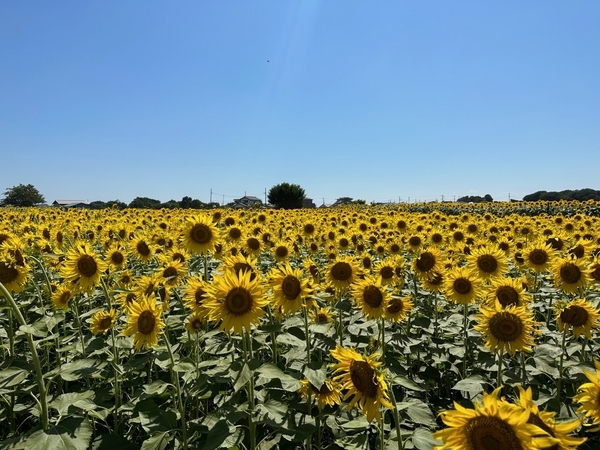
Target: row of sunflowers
(356, 327)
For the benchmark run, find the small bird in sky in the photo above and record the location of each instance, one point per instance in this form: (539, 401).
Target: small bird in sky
(268, 60)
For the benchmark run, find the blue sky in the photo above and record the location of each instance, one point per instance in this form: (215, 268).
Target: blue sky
(381, 101)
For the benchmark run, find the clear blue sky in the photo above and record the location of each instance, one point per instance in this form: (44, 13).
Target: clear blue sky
(105, 100)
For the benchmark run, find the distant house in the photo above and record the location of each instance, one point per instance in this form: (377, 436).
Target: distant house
(70, 203)
(308, 203)
(247, 201)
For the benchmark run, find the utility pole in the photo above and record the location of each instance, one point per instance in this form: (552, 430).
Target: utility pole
(211, 195)
(442, 199)
(223, 201)
(265, 196)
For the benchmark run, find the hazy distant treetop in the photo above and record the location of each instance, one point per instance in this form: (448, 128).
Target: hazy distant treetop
(22, 195)
(286, 195)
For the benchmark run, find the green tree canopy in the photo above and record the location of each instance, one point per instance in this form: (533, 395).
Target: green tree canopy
(22, 195)
(145, 202)
(286, 195)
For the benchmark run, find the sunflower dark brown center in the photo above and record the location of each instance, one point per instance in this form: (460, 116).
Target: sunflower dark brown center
(86, 266)
(372, 296)
(146, 322)
(595, 274)
(538, 257)
(201, 233)
(291, 287)
(241, 267)
(435, 279)
(281, 251)
(491, 433)
(64, 298)
(253, 244)
(414, 241)
(386, 272)
(425, 262)
(437, 238)
(105, 323)
(458, 236)
(142, 248)
(199, 296)
(196, 324)
(235, 233)
(506, 326)
(578, 251)
(574, 315)
(462, 286)
(239, 301)
(395, 306)
(570, 273)
(8, 274)
(507, 295)
(344, 242)
(363, 378)
(170, 272)
(322, 318)
(309, 228)
(487, 263)
(341, 271)
(117, 258)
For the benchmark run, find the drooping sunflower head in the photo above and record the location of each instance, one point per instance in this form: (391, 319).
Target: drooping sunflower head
(507, 329)
(398, 308)
(329, 393)
(580, 316)
(236, 301)
(200, 235)
(361, 377)
(62, 296)
(195, 322)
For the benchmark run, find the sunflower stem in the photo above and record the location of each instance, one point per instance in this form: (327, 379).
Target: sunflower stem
(180, 404)
(43, 404)
(79, 327)
(396, 415)
(583, 346)
(382, 329)
(523, 371)
(500, 361)
(273, 336)
(247, 348)
(466, 330)
(11, 335)
(308, 395)
(560, 366)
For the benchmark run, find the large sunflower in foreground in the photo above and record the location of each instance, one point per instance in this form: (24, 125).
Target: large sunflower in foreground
(359, 376)
(83, 267)
(507, 329)
(545, 420)
(491, 425)
(199, 235)
(236, 301)
(144, 322)
(580, 315)
(289, 288)
(589, 397)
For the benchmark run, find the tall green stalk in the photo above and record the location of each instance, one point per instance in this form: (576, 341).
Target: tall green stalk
(247, 349)
(180, 404)
(560, 365)
(42, 401)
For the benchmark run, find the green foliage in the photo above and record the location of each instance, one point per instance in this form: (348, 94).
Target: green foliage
(475, 199)
(22, 195)
(578, 194)
(286, 196)
(145, 202)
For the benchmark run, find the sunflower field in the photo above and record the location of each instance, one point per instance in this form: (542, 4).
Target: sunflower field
(421, 326)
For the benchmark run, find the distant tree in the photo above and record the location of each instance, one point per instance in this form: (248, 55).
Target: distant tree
(343, 201)
(488, 198)
(22, 195)
(145, 202)
(286, 196)
(577, 194)
(475, 199)
(197, 204)
(98, 204)
(186, 202)
(211, 205)
(171, 204)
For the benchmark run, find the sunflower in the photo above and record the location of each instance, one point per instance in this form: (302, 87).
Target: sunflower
(236, 301)
(321, 315)
(510, 328)
(570, 274)
(461, 285)
(507, 291)
(579, 314)
(538, 256)
(488, 263)
(83, 267)
(545, 420)
(281, 251)
(371, 296)
(594, 268)
(12, 275)
(434, 282)
(142, 248)
(172, 271)
(490, 425)
(360, 376)
(195, 295)
(428, 262)
(240, 263)
(102, 321)
(194, 322)
(327, 394)
(62, 296)
(588, 394)
(147, 285)
(199, 235)
(342, 272)
(144, 322)
(251, 246)
(397, 308)
(116, 256)
(289, 288)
